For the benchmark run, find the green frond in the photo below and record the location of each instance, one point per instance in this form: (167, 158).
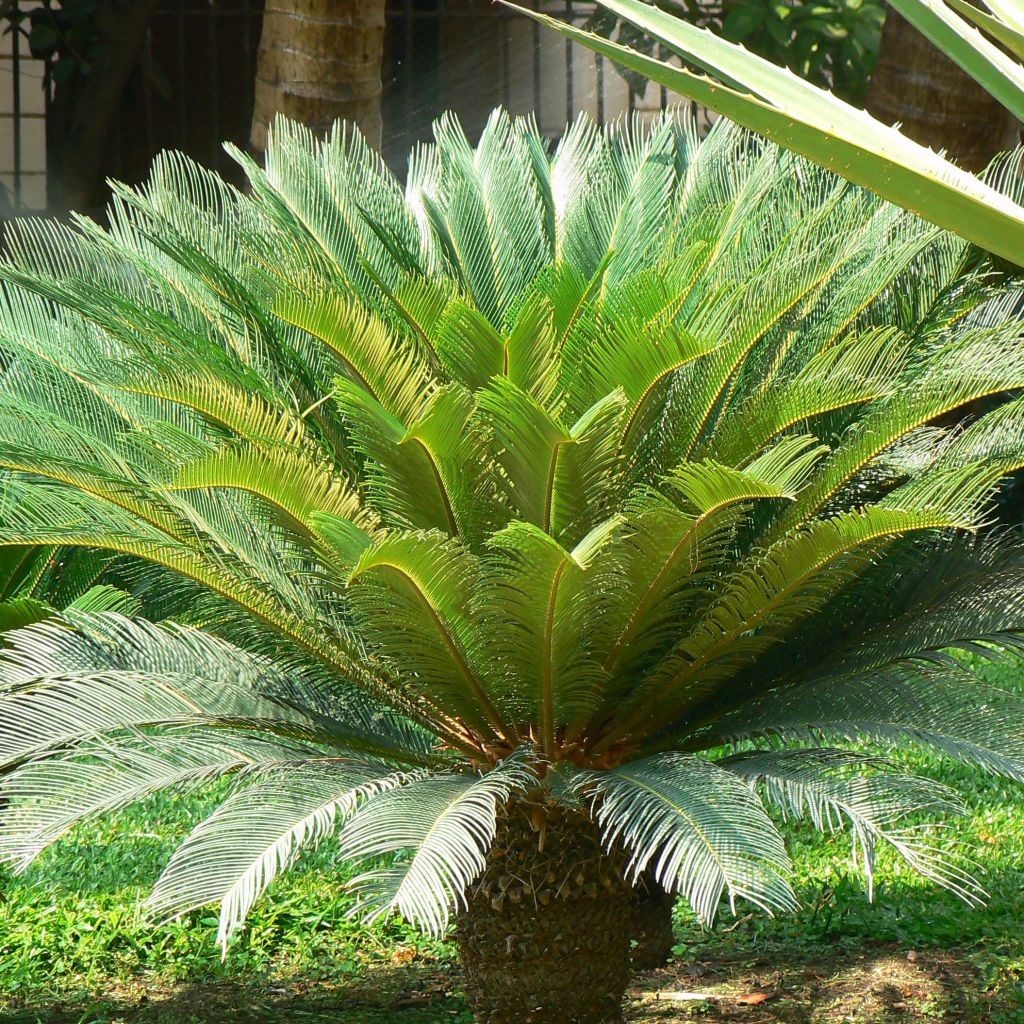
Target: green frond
(287, 480)
(446, 823)
(867, 794)
(19, 612)
(788, 582)
(529, 441)
(587, 473)
(46, 799)
(82, 677)
(970, 367)
(530, 352)
(392, 371)
(535, 602)
(334, 203)
(696, 827)
(471, 350)
(945, 707)
(860, 368)
(258, 833)
(105, 598)
(486, 205)
(780, 472)
(412, 593)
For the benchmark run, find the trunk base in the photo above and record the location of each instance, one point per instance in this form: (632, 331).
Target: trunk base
(652, 924)
(545, 936)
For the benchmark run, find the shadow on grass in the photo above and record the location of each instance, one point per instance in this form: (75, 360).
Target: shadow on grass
(381, 995)
(888, 985)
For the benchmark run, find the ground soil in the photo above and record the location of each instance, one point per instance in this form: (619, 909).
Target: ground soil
(888, 985)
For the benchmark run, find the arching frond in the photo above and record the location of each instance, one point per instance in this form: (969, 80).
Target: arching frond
(534, 607)
(834, 788)
(446, 823)
(259, 832)
(696, 827)
(947, 708)
(46, 799)
(412, 595)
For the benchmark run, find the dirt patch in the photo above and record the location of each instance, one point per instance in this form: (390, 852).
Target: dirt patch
(884, 986)
(890, 985)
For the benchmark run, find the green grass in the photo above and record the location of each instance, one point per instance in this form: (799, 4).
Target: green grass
(73, 947)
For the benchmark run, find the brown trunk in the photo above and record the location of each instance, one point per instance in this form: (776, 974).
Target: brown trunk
(653, 933)
(545, 936)
(937, 104)
(85, 109)
(320, 60)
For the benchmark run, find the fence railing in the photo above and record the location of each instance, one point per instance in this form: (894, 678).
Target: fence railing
(472, 55)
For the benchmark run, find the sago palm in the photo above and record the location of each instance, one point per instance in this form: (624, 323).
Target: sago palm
(539, 525)
(37, 581)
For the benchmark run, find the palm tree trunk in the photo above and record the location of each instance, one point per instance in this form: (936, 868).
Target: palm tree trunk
(545, 935)
(937, 103)
(84, 110)
(652, 924)
(320, 60)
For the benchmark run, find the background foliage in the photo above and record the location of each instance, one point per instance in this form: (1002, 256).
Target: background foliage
(832, 43)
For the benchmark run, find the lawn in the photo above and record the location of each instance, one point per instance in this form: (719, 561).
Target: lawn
(73, 949)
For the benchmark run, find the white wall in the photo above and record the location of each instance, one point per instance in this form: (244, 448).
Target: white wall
(32, 125)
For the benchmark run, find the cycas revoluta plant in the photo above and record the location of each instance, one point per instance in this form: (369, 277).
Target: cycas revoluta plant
(541, 524)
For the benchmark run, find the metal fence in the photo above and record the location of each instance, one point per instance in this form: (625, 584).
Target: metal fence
(193, 87)
(472, 55)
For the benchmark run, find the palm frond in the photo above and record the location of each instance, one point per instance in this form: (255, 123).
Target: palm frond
(944, 707)
(46, 799)
(447, 823)
(259, 832)
(695, 827)
(832, 787)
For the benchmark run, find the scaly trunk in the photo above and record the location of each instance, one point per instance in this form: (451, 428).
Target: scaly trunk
(652, 924)
(320, 60)
(545, 936)
(937, 104)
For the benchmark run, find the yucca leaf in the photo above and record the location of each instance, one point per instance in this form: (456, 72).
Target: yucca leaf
(1001, 76)
(1008, 11)
(1009, 34)
(773, 102)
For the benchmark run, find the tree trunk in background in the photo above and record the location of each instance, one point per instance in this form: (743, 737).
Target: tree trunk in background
(320, 60)
(84, 110)
(938, 104)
